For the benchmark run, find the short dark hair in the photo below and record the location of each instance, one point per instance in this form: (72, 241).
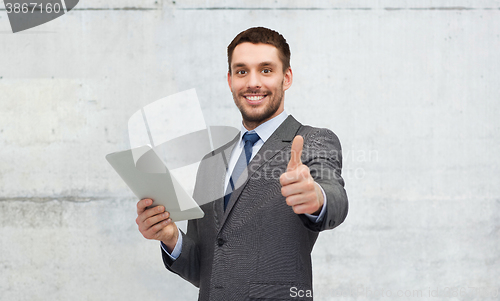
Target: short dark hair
(263, 35)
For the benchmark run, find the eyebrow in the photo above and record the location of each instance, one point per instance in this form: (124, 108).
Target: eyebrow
(238, 65)
(267, 64)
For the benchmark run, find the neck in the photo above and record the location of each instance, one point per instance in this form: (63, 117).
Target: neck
(251, 125)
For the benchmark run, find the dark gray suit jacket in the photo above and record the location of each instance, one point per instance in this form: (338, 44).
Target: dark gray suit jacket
(258, 248)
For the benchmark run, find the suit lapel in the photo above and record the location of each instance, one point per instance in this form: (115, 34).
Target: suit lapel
(220, 174)
(280, 139)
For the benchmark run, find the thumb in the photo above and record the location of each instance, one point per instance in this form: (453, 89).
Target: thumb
(296, 153)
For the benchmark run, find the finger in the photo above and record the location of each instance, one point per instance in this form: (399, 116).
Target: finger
(142, 204)
(149, 213)
(296, 152)
(297, 188)
(155, 219)
(300, 197)
(289, 177)
(159, 227)
(157, 230)
(302, 208)
(295, 200)
(300, 173)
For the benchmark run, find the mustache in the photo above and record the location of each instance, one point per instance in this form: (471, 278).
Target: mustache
(256, 91)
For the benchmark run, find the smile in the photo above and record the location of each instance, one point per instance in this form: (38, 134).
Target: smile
(255, 99)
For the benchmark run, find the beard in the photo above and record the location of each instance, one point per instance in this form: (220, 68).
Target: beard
(254, 114)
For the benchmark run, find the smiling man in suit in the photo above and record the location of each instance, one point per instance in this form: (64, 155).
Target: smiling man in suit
(266, 194)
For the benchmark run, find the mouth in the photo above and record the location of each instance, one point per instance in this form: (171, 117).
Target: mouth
(255, 99)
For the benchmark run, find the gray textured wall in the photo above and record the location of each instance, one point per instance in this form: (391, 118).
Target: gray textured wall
(410, 87)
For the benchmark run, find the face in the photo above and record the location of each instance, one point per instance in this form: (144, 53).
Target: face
(258, 83)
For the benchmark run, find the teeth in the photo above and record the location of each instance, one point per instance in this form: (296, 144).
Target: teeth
(254, 98)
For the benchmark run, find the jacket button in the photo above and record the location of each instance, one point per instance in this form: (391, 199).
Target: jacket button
(331, 222)
(220, 242)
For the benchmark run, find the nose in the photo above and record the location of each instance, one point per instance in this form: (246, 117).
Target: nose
(254, 80)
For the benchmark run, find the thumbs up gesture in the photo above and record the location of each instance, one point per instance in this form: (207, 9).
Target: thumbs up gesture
(297, 186)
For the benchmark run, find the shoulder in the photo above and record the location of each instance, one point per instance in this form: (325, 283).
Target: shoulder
(318, 137)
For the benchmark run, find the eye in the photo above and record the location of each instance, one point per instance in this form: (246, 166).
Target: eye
(266, 71)
(241, 72)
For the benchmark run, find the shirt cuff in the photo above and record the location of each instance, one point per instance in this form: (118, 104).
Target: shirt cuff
(177, 249)
(318, 218)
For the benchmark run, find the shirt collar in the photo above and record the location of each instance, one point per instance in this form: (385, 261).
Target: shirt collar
(266, 129)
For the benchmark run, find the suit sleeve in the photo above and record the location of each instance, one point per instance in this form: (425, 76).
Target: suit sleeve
(187, 265)
(322, 153)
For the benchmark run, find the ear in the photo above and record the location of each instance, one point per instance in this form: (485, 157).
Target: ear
(288, 79)
(229, 80)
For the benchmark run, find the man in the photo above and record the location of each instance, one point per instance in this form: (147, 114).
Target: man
(256, 242)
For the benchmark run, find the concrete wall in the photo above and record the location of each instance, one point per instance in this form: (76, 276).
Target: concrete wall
(410, 87)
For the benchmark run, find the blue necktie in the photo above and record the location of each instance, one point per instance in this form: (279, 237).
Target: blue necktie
(249, 139)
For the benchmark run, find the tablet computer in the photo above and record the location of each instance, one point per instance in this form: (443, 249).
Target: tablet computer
(148, 177)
